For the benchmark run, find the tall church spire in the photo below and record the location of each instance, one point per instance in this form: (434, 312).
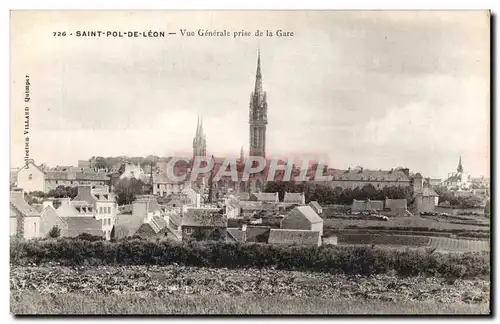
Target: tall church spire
(258, 116)
(258, 77)
(199, 140)
(460, 168)
(198, 126)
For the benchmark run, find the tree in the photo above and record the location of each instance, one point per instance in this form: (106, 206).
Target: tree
(127, 189)
(100, 163)
(63, 192)
(54, 232)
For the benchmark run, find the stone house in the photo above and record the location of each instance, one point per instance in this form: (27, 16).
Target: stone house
(31, 178)
(24, 219)
(294, 198)
(202, 224)
(367, 205)
(303, 218)
(49, 219)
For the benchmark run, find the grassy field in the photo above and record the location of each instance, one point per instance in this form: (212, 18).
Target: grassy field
(399, 222)
(75, 303)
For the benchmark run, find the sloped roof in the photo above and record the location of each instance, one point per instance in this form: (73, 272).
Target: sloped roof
(31, 163)
(368, 175)
(37, 207)
(315, 205)
(159, 222)
(127, 225)
(307, 212)
(204, 217)
(175, 218)
(68, 175)
(293, 197)
(17, 201)
(367, 205)
(258, 233)
(236, 234)
(265, 196)
(257, 205)
(292, 236)
(80, 225)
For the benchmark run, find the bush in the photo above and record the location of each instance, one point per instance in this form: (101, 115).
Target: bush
(54, 232)
(327, 258)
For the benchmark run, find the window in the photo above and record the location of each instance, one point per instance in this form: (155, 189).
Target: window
(57, 182)
(34, 225)
(109, 210)
(100, 210)
(30, 177)
(189, 231)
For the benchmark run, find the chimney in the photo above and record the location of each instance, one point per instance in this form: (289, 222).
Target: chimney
(48, 202)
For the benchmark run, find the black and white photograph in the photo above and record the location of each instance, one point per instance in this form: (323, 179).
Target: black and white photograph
(250, 162)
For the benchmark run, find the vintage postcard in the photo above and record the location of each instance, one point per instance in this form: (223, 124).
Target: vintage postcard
(250, 162)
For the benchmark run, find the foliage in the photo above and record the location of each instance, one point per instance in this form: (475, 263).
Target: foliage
(449, 197)
(54, 232)
(327, 258)
(127, 189)
(63, 192)
(326, 195)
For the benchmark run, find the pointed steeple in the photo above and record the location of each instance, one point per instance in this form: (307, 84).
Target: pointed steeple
(198, 126)
(460, 168)
(258, 77)
(201, 127)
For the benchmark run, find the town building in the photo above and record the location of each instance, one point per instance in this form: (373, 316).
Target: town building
(303, 218)
(459, 180)
(98, 204)
(426, 199)
(294, 198)
(269, 197)
(367, 205)
(133, 171)
(360, 177)
(53, 179)
(49, 219)
(204, 224)
(31, 178)
(24, 219)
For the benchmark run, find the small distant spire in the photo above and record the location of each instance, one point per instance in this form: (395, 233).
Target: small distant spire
(460, 168)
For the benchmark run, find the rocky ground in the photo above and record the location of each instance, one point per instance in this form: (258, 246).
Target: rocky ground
(179, 280)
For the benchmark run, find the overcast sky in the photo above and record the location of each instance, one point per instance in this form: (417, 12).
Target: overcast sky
(376, 89)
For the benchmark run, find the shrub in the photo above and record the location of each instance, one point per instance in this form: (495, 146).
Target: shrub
(54, 232)
(327, 258)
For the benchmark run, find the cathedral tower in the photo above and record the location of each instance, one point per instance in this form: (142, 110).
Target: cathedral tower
(258, 116)
(200, 140)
